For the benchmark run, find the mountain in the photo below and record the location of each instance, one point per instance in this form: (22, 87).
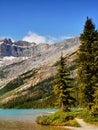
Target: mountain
(26, 49)
(27, 69)
(19, 48)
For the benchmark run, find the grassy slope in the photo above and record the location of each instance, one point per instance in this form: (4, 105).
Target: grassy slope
(38, 96)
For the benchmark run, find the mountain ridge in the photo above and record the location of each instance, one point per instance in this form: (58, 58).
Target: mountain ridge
(44, 55)
(23, 48)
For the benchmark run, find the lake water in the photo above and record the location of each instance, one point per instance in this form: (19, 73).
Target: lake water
(24, 119)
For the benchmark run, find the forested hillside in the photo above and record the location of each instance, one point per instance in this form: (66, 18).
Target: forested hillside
(34, 89)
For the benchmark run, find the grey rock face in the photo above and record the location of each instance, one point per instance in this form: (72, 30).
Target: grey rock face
(20, 48)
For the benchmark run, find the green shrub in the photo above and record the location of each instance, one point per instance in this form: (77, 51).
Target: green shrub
(58, 118)
(89, 116)
(68, 118)
(43, 120)
(72, 123)
(94, 110)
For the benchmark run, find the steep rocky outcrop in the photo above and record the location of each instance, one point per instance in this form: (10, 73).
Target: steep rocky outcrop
(19, 48)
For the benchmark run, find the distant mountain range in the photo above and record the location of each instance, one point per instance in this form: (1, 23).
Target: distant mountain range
(19, 48)
(19, 57)
(26, 49)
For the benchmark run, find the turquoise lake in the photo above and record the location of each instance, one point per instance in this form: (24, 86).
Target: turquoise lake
(24, 119)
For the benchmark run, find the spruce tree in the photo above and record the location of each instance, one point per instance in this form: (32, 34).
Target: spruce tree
(62, 86)
(86, 65)
(95, 77)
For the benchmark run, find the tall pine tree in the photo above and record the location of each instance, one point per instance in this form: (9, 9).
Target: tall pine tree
(62, 86)
(86, 65)
(95, 77)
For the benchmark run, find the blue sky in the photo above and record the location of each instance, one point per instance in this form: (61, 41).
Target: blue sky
(45, 20)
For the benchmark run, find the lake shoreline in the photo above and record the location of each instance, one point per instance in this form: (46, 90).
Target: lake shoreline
(25, 119)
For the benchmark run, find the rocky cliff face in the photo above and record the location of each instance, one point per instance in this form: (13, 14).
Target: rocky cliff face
(20, 48)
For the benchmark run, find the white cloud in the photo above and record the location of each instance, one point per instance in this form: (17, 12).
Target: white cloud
(33, 37)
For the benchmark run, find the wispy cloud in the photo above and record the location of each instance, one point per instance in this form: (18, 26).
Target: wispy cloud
(34, 37)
